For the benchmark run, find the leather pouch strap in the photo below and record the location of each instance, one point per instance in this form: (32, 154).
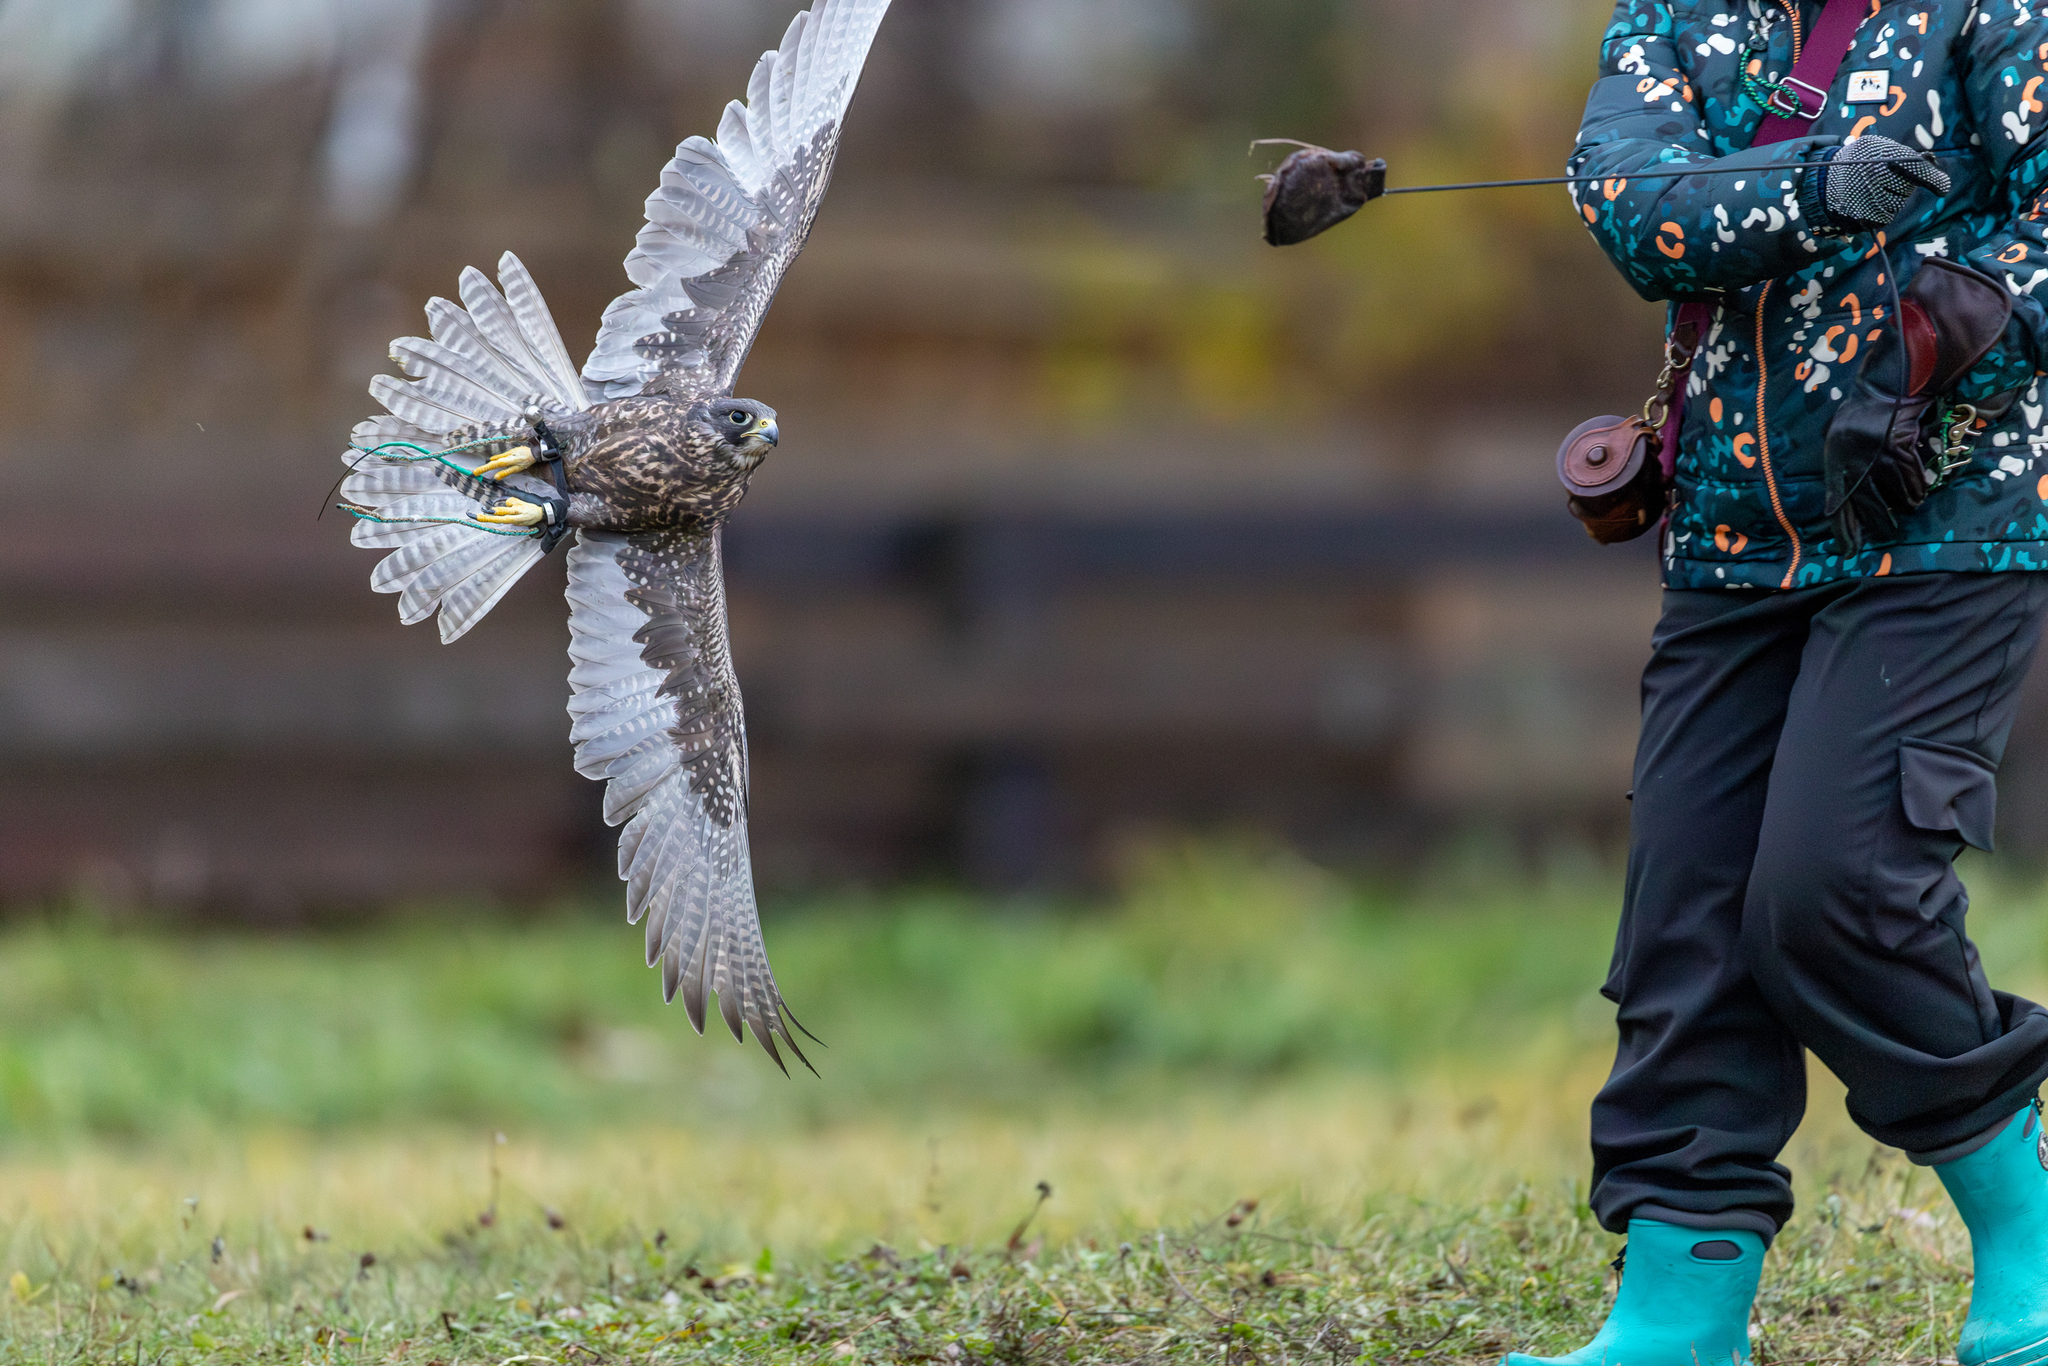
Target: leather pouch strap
(1688, 330)
(1820, 61)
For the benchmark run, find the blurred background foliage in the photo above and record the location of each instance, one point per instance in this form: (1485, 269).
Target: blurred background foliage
(1033, 362)
(1219, 972)
(261, 191)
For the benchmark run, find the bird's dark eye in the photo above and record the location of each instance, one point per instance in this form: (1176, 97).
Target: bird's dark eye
(736, 416)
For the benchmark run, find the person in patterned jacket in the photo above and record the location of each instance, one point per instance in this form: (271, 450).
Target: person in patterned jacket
(1852, 565)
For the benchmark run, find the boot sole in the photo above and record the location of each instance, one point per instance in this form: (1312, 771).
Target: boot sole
(2039, 1348)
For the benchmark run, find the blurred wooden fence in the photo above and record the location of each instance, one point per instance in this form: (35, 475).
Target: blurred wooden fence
(1003, 696)
(1096, 517)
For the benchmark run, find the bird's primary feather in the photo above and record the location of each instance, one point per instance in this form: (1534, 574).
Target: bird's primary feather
(656, 455)
(657, 712)
(730, 215)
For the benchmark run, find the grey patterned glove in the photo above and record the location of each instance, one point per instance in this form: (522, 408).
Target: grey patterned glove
(1861, 186)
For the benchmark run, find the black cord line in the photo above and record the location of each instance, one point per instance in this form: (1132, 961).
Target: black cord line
(1678, 172)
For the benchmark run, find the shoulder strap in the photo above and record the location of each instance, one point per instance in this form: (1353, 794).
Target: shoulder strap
(1813, 76)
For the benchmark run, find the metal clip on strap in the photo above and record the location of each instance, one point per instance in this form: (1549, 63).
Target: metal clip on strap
(555, 523)
(546, 448)
(1790, 100)
(1956, 427)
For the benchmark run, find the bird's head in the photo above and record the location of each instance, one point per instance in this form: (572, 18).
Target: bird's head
(742, 430)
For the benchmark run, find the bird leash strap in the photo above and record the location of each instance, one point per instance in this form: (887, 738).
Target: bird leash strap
(1791, 110)
(551, 454)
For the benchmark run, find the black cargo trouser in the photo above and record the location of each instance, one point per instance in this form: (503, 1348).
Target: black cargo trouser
(1811, 763)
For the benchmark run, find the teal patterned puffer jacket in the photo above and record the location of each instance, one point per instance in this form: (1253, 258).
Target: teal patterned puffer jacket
(1965, 79)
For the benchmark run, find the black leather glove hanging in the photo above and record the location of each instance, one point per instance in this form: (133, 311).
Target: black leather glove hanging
(1876, 450)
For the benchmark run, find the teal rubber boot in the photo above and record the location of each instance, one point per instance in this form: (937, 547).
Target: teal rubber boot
(1684, 1301)
(2001, 1190)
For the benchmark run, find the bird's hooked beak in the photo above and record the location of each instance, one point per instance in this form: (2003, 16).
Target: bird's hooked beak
(768, 431)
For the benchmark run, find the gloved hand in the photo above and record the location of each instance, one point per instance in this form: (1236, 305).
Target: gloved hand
(1874, 458)
(1860, 186)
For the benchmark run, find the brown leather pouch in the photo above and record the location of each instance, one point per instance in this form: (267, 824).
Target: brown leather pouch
(1613, 478)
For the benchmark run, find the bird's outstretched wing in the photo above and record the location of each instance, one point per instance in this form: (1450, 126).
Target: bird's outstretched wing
(657, 712)
(732, 214)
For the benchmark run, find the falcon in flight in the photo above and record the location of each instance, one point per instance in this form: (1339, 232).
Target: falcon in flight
(495, 450)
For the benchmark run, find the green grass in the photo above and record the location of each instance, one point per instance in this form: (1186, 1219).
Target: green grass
(1217, 967)
(1281, 1119)
(1400, 1281)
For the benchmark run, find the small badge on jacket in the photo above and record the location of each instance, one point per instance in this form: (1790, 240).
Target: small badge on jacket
(1869, 87)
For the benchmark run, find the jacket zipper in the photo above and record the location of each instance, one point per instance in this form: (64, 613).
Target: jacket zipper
(1763, 440)
(1763, 434)
(1791, 8)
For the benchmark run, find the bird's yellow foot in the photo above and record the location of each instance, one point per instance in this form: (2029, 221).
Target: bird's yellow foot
(512, 512)
(515, 461)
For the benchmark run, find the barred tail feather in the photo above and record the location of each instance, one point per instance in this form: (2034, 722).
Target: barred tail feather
(419, 598)
(463, 397)
(464, 605)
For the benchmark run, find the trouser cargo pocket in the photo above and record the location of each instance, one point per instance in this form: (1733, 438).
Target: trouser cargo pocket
(1947, 787)
(1792, 882)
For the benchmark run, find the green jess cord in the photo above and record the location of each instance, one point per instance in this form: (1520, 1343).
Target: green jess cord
(1684, 1301)
(363, 514)
(2001, 1190)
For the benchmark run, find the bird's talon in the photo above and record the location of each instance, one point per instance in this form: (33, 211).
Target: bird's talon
(512, 512)
(515, 461)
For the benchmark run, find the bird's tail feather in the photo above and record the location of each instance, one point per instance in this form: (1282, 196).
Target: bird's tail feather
(412, 483)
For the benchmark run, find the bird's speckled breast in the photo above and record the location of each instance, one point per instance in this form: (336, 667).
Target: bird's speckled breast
(646, 467)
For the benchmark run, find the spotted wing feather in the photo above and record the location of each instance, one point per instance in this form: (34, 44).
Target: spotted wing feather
(731, 214)
(656, 712)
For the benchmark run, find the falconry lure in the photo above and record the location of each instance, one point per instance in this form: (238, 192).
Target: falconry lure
(1315, 189)
(496, 450)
